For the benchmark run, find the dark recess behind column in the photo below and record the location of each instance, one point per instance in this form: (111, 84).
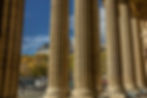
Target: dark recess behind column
(1, 11)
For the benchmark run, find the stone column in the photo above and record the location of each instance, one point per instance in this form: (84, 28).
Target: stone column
(7, 41)
(138, 56)
(143, 27)
(128, 67)
(9, 55)
(114, 89)
(17, 50)
(86, 49)
(59, 51)
(3, 37)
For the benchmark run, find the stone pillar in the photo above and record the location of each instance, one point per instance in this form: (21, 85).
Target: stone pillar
(86, 49)
(138, 56)
(3, 37)
(9, 55)
(114, 89)
(59, 51)
(9, 46)
(8, 21)
(126, 47)
(143, 26)
(17, 51)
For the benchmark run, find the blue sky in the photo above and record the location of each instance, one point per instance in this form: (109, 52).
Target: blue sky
(37, 24)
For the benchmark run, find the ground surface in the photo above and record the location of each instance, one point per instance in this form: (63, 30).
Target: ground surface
(31, 94)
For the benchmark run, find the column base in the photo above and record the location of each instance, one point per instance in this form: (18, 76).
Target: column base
(131, 90)
(132, 94)
(118, 95)
(56, 93)
(83, 93)
(110, 94)
(115, 95)
(114, 91)
(142, 92)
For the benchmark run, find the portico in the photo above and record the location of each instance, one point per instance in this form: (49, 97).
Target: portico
(126, 41)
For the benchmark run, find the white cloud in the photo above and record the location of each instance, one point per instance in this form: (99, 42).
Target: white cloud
(31, 44)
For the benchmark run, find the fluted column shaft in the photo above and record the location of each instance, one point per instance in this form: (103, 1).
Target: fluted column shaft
(17, 51)
(113, 49)
(143, 26)
(8, 42)
(86, 49)
(126, 46)
(138, 56)
(3, 37)
(58, 67)
(9, 69)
